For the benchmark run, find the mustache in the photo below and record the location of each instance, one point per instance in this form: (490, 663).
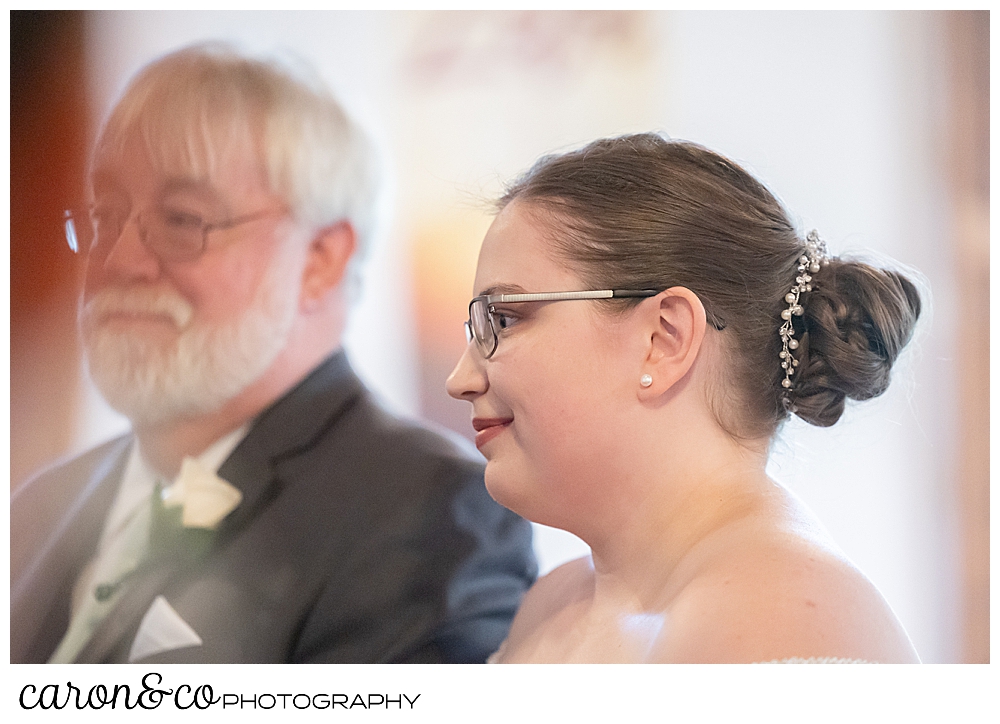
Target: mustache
(136, 300)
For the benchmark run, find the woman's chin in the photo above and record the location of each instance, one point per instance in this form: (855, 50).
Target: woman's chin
(518, 494)
(507, 491)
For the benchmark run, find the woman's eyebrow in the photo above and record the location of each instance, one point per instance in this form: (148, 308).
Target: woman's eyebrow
(502, 289)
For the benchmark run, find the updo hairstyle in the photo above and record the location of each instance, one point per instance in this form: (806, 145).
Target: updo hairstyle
(643, 212)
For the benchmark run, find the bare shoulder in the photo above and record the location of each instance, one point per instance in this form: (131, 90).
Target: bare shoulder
(553, 594)
(778, 593)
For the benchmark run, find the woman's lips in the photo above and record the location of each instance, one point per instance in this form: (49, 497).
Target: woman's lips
(488, 428)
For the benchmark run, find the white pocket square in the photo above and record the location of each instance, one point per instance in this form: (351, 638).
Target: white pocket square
(162, 629)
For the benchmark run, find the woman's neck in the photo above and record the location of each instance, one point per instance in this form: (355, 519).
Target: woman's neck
(692, 483)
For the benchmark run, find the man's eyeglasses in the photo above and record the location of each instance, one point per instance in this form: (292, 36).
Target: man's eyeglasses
(170, 235)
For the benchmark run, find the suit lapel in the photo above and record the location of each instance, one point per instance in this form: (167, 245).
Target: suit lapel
(41, 597)
(290, 425)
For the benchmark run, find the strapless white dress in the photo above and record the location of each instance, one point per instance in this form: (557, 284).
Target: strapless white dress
(495, 659)
(817, 660)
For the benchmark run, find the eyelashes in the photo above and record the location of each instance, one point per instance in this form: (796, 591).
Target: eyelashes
(503, 319)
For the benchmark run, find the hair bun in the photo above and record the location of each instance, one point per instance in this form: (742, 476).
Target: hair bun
(857, 320)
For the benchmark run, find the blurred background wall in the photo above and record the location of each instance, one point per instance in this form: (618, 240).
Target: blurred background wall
(872, 128)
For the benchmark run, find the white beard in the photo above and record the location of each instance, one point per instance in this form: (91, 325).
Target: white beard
(152, 383)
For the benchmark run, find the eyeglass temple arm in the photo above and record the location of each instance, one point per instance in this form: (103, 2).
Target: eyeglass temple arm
(559, 296)
(240, 220)
(597, 294)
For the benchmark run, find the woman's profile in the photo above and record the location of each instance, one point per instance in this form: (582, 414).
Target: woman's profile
(646, 317)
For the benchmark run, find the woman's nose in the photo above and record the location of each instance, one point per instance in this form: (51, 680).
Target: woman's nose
(468, 380)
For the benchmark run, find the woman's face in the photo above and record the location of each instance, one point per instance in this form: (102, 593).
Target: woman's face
(546, 404)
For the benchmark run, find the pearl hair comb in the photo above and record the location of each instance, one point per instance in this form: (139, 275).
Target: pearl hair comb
(815, 256)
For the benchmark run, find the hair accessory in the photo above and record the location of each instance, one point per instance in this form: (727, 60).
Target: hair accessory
(646, 380)
(815, 256)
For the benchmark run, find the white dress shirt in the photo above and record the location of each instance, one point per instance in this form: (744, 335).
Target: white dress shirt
(137, 485)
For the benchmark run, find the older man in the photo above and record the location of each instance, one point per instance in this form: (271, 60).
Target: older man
(264, 507)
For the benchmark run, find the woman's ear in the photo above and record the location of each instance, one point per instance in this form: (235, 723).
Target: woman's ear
(329, 253)
(676, 331)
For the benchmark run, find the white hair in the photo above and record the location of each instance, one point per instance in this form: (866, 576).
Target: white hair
(190, 106)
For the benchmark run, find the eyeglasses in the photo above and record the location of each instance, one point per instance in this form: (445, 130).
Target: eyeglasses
(482, 323)
(170, 235)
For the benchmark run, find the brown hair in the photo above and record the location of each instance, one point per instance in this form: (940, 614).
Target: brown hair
(643, 212)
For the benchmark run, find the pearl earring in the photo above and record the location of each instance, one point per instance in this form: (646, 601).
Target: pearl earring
(646, 380)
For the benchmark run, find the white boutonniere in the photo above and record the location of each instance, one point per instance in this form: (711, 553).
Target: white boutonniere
(206, 498)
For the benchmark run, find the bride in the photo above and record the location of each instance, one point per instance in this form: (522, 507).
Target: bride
(645, 319)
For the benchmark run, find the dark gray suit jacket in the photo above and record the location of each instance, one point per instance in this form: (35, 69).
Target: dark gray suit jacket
(360, 538)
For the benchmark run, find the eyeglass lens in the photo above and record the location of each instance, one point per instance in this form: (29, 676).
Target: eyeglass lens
(174, 236)
(170, 236)
(482, 330)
